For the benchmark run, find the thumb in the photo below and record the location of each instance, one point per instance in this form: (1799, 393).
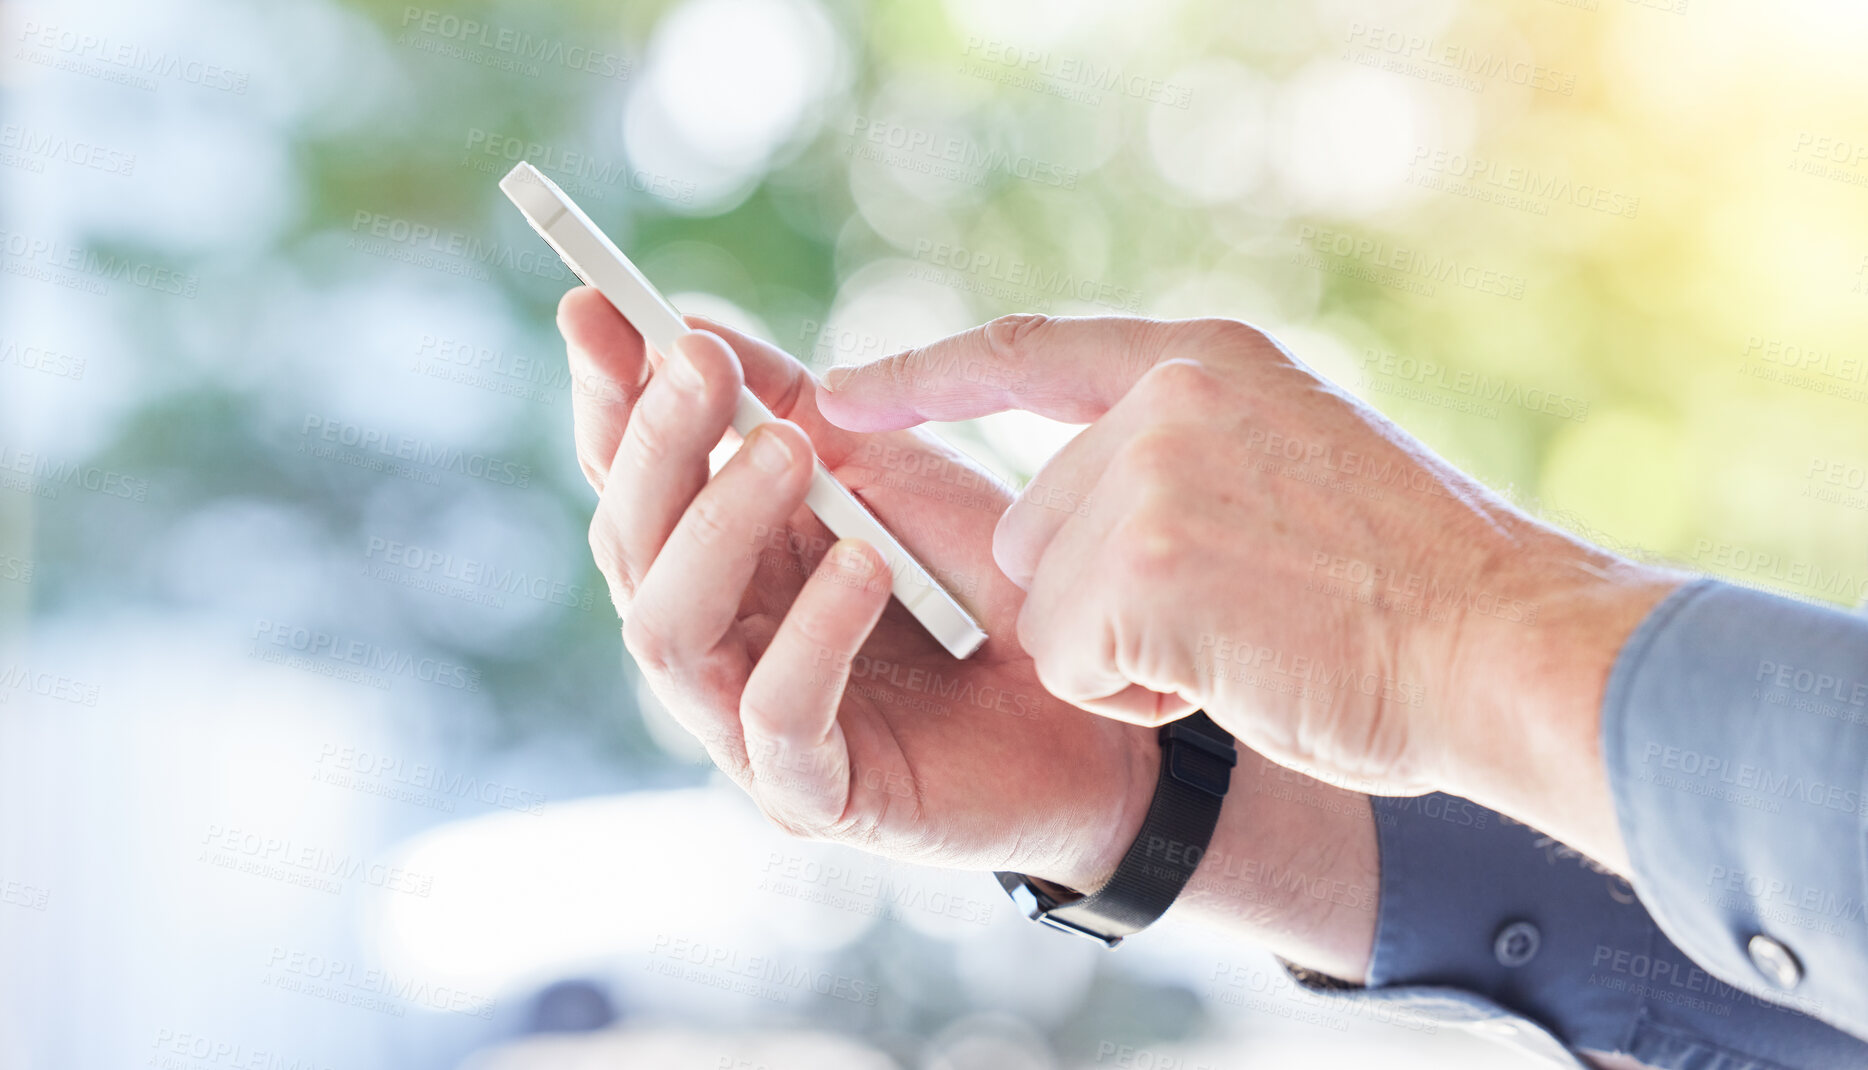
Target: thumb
(1069, 369)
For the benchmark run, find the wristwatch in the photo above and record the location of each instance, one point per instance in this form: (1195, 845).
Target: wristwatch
(1197, 758)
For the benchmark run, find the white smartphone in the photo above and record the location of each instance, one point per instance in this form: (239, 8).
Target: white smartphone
(590, 253)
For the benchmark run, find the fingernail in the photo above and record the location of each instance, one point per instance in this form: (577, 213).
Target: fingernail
(682, 370)
(836, 377)
(769, 452)
(853, 561)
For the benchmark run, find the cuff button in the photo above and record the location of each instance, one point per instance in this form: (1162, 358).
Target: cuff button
(1517, 944)
(1776, 962)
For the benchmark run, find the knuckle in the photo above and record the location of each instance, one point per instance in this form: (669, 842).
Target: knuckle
(649, 436)
(1007, 337)
(1228, 334)
(760, 725)
(817, 631)
(605, 541)
(647, 643)
(1148, 546)
(1035, 638)
(606, 551)
(706, 520)
(1155, 456)
(1178, 379)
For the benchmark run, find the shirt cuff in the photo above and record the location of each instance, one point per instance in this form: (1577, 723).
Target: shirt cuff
(1487, 924)
(1735, 732)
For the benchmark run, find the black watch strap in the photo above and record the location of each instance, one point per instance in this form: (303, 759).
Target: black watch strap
(1197, 758)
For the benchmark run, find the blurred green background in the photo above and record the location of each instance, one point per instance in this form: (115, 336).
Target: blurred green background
(266, 325)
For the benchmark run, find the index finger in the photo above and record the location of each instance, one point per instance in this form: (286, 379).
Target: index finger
(609, 370)
(1069, 369)
(610, 367)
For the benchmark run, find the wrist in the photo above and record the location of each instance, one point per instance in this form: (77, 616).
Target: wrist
(1294, 867)
(1525, 711)
(1115, 815)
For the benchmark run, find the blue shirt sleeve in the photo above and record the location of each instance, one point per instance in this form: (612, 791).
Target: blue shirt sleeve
(1487, 924)
(1735, 731)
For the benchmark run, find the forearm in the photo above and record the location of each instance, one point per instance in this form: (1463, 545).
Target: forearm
(1526, 730)
(1292, 866)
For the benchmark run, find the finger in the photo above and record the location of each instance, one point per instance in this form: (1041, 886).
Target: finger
(661, 463)
(1067, 369)
(1065, 486)
(690, 597)
(788, 713)
(1085, 655)
(786, 386)
(609, 369)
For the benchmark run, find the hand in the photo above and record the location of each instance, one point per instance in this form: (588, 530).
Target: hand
(841, 717)
(1234, 533)
(782, 652)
